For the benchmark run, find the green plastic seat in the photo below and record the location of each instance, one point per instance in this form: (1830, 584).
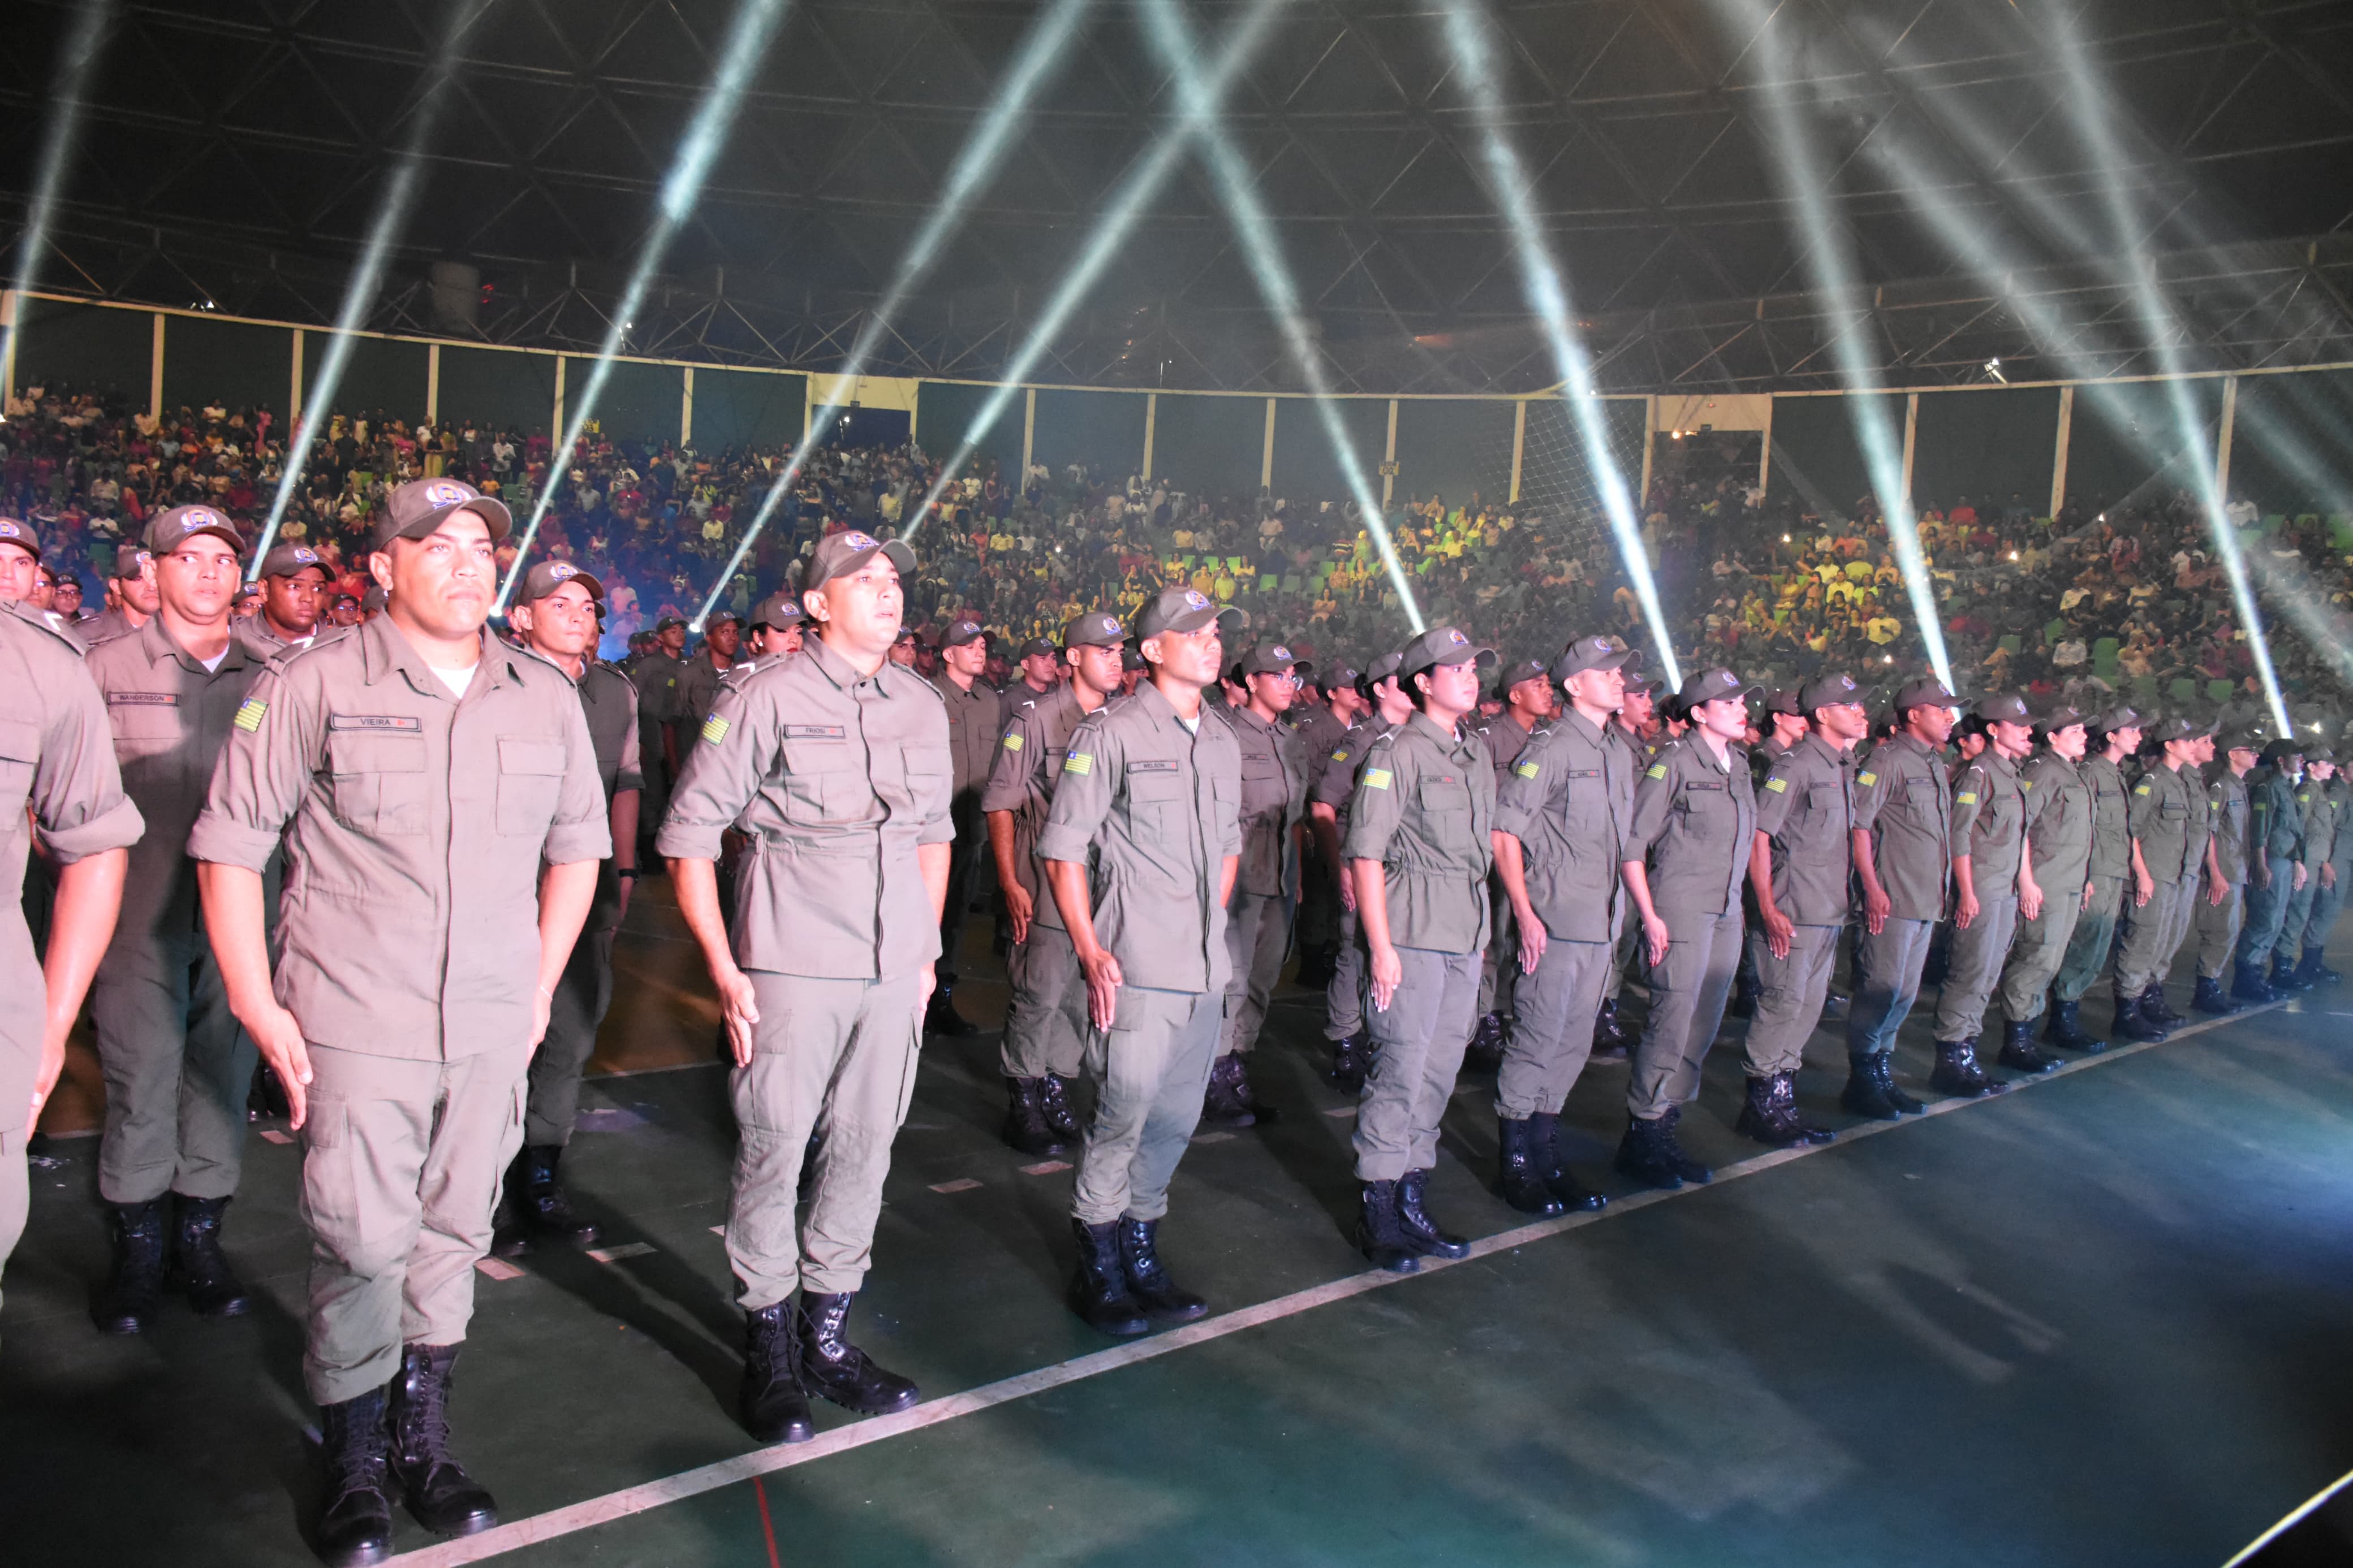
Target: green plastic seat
(2183, 690)
(2218, 690)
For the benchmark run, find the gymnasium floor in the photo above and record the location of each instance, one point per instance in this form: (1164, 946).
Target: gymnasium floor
(2101, 1320)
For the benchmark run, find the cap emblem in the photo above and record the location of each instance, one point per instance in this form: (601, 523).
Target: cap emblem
(558, 571)
(857, 540)
(1280, 651)
(1195, 600)
(306, 555)
(449, 492)
(1455, 638)
(9, 530)
(199, 517)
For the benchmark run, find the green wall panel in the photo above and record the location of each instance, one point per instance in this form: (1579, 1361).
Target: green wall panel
(499, 389)
(1452, 448)
(1103, 430)
(86, 347)
(1209, 446)
(638, 402)
(1987, 446)
(1307, 469)
(945, 411)
(2292, 443)
(236, 363)
(2125, 437)
(1817, 455)
(733, 407)
(381, 376)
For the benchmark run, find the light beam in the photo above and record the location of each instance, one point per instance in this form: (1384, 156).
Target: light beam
(87, 40)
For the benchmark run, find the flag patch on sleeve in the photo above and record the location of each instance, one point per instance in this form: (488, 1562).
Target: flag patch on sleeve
(249, 712)
(1779, 786)
(1528, 770)
(1967, 797)
(1012, 742)
(1658, 770)
(1078, 762)
(714, 729)
(2144, 789)
(1377, 778)
(1866, 779)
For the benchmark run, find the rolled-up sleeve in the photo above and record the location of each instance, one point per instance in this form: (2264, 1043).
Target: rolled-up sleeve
(1010, 770)
(1970, 796)
(263, 773)
(1652, 797)
(1526, 788)
(581, 830)
(77, 794)
(1376, 809)
(721, 775)
(1082, 795)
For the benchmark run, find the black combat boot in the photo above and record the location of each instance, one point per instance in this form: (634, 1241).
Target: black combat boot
(2157, 1009)
(1958, 1073)
(1348, 1064)
(2066, 1031)
(1543, 1148)
(1148, 1280)
(1650, 1154)
(1770, 1115)
(1882, 1075)
(1228, 1103)
(1835, 1005)
(1025, 1120)
(1099, 1291)
(2134, 1023)
(941, 1017)
(440, 1495)
(126, 1305)
(2208, 998)
(199, 1267)
(770, 1402)
(1610, 1037)
(1863, 1096)
(2247, 985)
(355, 1525)
(1054, 1105)
(1484, 1053)
(1380, 1232)
(542, 1205)
(2306, 973)
(1425, 1234)
(2283, 977)
(2018, 1052)
(1741, 1003)
(833, 1367)
(1519, 1177)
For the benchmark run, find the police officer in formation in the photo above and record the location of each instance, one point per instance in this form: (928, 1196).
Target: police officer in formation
(978, 717)
(1330, 798)
(293, 600)
(2059, 830)
(1266, 887)
(2312, 966)
(2114, 875)
(1903, 858)
(2168, 823)
(2290, 968)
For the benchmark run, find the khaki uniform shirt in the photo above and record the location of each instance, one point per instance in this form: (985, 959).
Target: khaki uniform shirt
(1335, 783)
(2319, 822)
(2340, 791)
(170, 719)
(1694, 822)
(1807, 811)
(1569, 800)
(609, 702)
(2161, 810)
(255, 632)
(2226, 807)
(1274, 799)
(656, 676)
(1017, 692)
(1901, 797)
(1318, 729)
(1029, 765)
(1152, 810)
(1505, 739)
(1425, 808)
(836, 779)
(977, 720)
(2058, 823)
(414, 824)
(58, 773)
(697, 691)
(1990, 823)
(2111, 818)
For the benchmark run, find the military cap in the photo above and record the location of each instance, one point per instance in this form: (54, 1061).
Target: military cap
(1831, 689)
(416, 508)
(1382, 668)
(1131, 659)
(2277, 752)
(290, 560)
(1441, 645)
(2115, 719)
(1784, 700)
(1038, 647)
(167, 530)
(839, 554)
(375, 598)
(2060, 715)
(778, 612)
(2181, 727)
(1342, 674)
(667, 622)
(22, 534)
(1593, 653)
(1526, 669)
(130, 560)
(2244, 739)
(1710, 686)
(1267, 659)
(1185, 610)
(964, 629)
(1096, 629)
(2004, 708)
(548, 576)
(1926, 692)
(718, 615)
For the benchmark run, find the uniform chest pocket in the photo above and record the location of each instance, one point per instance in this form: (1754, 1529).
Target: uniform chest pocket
(1446, 812)
(378, 781)
(1265, 787)
(821, 776)
(20, 748)
(143, 729)
(1157, 801)
(2173, 811)
(925, 771)
(530, 780)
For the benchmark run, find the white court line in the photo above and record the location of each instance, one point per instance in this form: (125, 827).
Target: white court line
(612, 1506)
(2314, 1501)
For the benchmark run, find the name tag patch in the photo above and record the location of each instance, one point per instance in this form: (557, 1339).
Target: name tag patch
(393, 721)
(1167, 766)
(812, 732)
(143, 700)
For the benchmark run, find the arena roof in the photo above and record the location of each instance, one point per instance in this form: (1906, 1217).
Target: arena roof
(235, 150)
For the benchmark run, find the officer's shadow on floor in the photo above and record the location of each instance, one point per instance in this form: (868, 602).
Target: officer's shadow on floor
(657, 1294)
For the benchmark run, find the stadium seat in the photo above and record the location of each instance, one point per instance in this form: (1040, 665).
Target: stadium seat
(2010, 643)
(2218, 691)
(2183, 690)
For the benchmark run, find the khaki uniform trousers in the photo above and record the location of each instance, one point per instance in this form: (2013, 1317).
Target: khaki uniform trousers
(1258, 939)
(2217, 929)
(178, 1068)
(1046, 1027)
(573, 1015)
(2290, 943)
(401, 1166)
(2267, 914)
(1892, 962)
(2324, 908)
(1978, 955)
(1422, 1036)
(2145, 957)
(1551, 1029)
(1790, 993)
(17, 1069)
(2035, 956)
(2184, 917)
(832, 1057)
(1343, 994)
(1151, 1069)
(2096, 932)
(1499, 966)
(965, 853)
(1687, 996)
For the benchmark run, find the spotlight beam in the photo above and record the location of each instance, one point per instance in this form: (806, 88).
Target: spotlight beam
(1262, 248)
(976, 163)
(367, 276)
(1118, 218)
(87, 40)
(746, 46)
(1805, 177)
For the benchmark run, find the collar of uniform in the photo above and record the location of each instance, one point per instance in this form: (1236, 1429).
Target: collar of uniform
(1422, 723)
(1821, 747)
(945, 685)
(157, 645)
(1243, 713)
(1586, 728)
(385, 648)
(585, 665)
(840, 670)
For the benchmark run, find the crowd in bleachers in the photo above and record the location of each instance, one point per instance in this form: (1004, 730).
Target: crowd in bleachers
(2129, 597)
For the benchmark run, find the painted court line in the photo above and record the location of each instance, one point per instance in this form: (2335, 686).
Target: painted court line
(625, 1249)
(622, 1504)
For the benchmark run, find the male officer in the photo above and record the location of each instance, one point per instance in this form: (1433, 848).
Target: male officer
(2276, 867)
(1993, 883)
(976, 718)
(2331, 901)
(20, 562)
(698, 679)
(135, 590)
(656, 676)
(177, 1067)
(437, 795)
(2059, 830)
(2294, 959)
(1046, 1027)
(58, 773)
(1799, 867)
(557, 613)
(1039, 670)
(2223, 906)
(836, 764)
(293, 594)
(1562, 814)
(1321, 727)
(2113, 874)
(2200, 873)
(1266, 888)
(1328, 801)
(1695, 826)
(1142, 848)
(2164, 804)
(1903, 857)
(1526, 691)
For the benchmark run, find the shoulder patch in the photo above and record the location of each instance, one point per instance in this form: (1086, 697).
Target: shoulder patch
(714, 729)
(2142, 790)
(1779, 786)
(1378, 778)
(1966, 797)
(249, 712)
(2026, 783)
(1012, 741)
(1658, 770)
(1341, 755)
(1078, 762)
(1528, 770)
(1866, 778)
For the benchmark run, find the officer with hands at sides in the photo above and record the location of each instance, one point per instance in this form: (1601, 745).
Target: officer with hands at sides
(1266, 888)
(2059, 833)
(2114, 874)
(977, 718)
(1329, 799)
(2223, 904)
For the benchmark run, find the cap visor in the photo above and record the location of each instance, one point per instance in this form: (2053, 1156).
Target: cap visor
(493, 513)
(596, 589)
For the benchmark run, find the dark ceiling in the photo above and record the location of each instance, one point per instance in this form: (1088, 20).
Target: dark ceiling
(233, 151)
